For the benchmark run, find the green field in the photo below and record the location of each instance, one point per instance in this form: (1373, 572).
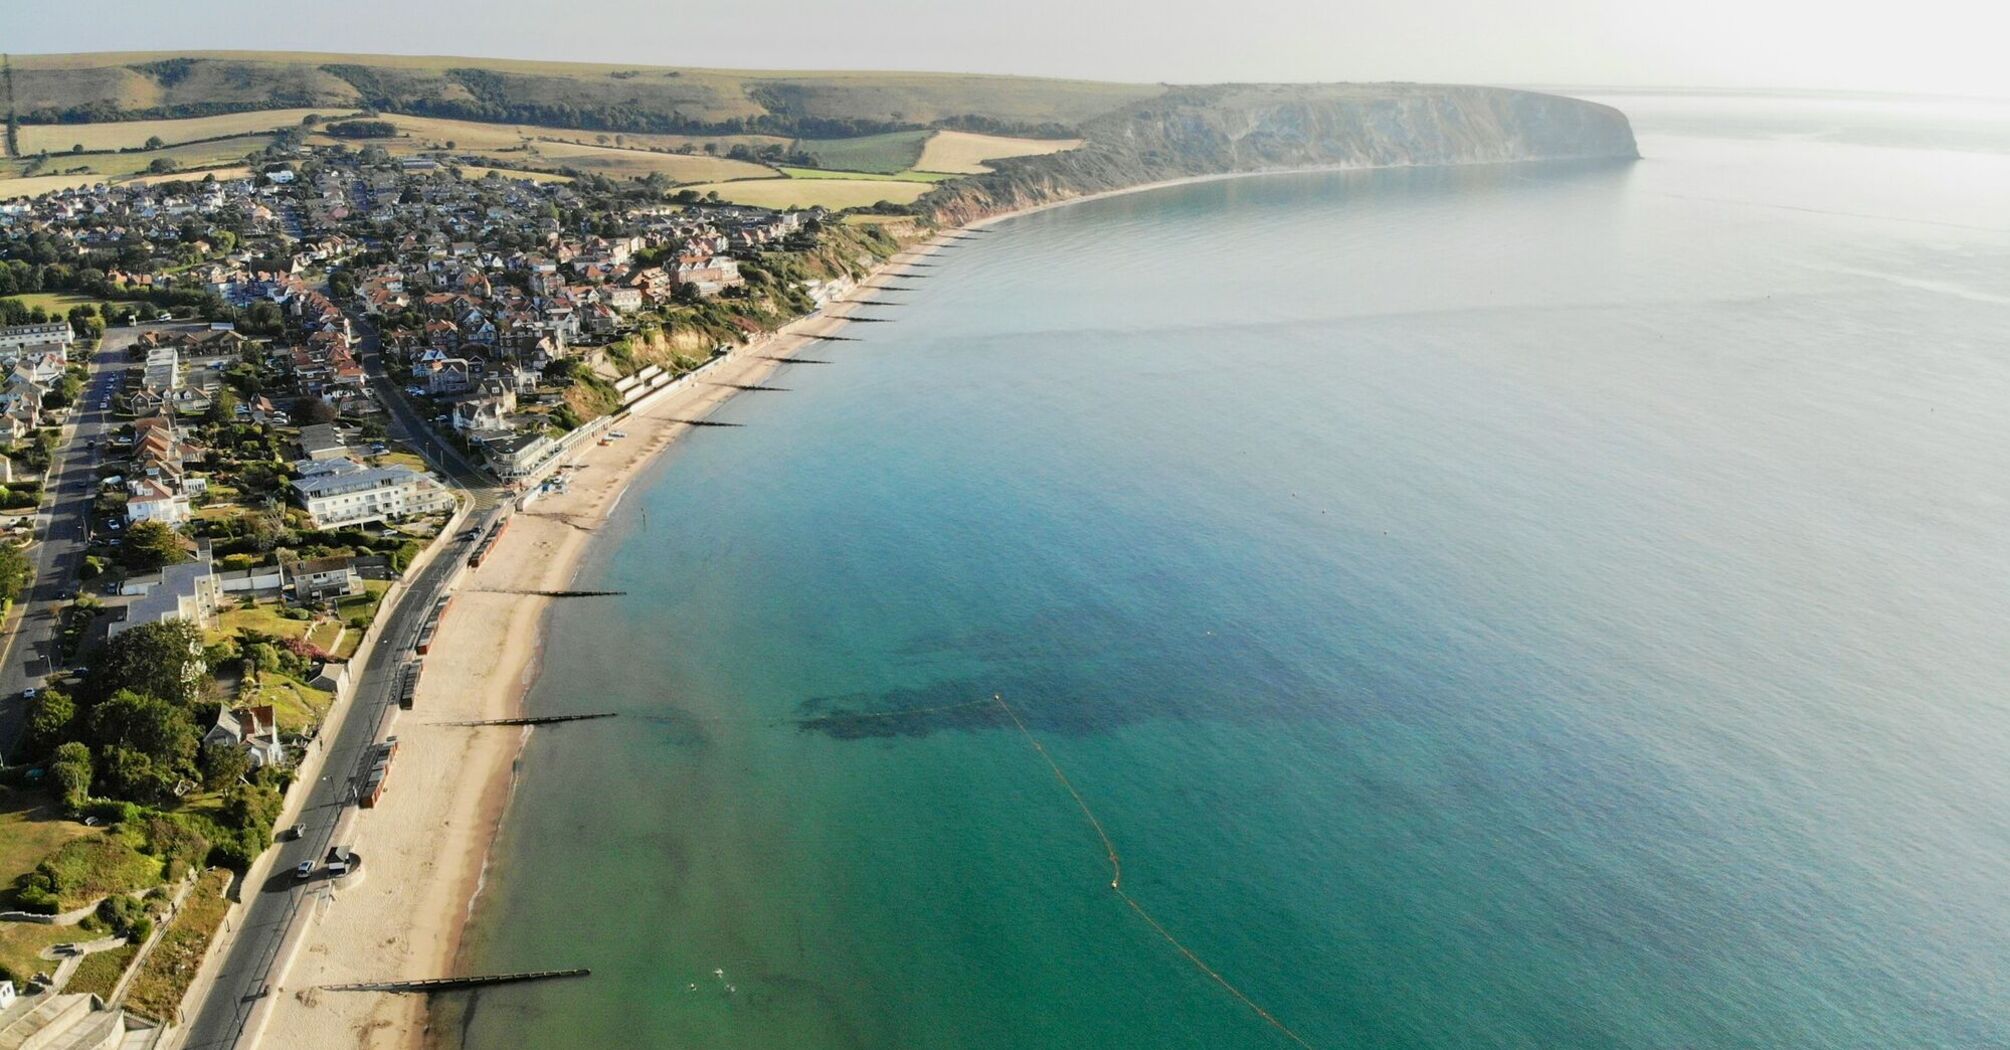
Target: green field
(878, 154)
(869, 176)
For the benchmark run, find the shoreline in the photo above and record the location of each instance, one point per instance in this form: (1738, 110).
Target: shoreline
(429, 848)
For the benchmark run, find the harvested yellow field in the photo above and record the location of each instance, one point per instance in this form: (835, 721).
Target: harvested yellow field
(192, 176)
(805, 193)
(964, 153)
(472, 172)
(132, 134)
(36, 185)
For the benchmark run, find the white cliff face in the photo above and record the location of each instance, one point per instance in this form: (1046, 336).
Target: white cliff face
(1238, 128)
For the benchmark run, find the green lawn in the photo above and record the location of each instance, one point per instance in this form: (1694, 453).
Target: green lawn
(21, 941)
(399, 459)
(899, 176)
(296, 704)
(882, 154)
(57, 303)
(31, 828)
(263, 617)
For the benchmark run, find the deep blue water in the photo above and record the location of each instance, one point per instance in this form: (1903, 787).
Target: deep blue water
(1536, 606)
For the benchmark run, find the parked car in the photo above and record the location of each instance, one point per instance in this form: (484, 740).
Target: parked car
(304, 871)
(296, 831)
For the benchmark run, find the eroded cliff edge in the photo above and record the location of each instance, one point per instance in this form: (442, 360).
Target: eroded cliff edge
(1229, 129)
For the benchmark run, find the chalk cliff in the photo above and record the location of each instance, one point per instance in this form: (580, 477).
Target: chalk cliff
(1251, 128)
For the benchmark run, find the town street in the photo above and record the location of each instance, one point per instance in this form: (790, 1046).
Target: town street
(27, 652)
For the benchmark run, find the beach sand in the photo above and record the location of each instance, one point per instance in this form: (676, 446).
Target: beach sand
(425, 846)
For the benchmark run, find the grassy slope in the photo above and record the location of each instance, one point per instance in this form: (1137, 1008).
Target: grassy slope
(31, 827)
(170, 968)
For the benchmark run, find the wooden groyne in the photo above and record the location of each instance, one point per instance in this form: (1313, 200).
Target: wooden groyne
(705, 423)
(832, 338)
(751, 386)
(791, 360)
(867, 320)
(449, 984)
(875, 302)
(527, 720)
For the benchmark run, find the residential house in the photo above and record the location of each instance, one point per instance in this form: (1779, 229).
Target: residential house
(253, 729)
(320, 441)
(316, 580)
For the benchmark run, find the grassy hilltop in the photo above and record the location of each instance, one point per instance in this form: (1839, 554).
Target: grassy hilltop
(141, 85)
(962, 145)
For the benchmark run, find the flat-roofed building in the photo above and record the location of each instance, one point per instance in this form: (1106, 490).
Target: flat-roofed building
(340, 492)
(187, 591)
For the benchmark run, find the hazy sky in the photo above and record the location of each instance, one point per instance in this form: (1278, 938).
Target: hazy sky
(1950, 46)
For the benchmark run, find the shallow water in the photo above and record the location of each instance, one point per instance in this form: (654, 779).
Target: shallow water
(1527, 606)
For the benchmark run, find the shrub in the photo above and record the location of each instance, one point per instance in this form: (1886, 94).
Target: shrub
(125, 917)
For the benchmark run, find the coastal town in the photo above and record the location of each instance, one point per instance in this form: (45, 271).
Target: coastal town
(260, 433)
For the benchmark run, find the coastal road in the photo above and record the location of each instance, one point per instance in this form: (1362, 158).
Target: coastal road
(275, 906)
(28, 651)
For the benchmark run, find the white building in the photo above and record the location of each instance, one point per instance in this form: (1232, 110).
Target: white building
(340, 492)
(163, 369)
(22, 336)
(149, 500)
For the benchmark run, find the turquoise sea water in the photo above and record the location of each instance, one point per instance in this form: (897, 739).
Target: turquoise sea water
(1538, 606)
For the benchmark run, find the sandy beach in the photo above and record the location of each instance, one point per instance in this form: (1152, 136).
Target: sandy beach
(426, 844)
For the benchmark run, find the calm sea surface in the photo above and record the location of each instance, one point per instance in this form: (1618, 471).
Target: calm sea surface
(1539, 606)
